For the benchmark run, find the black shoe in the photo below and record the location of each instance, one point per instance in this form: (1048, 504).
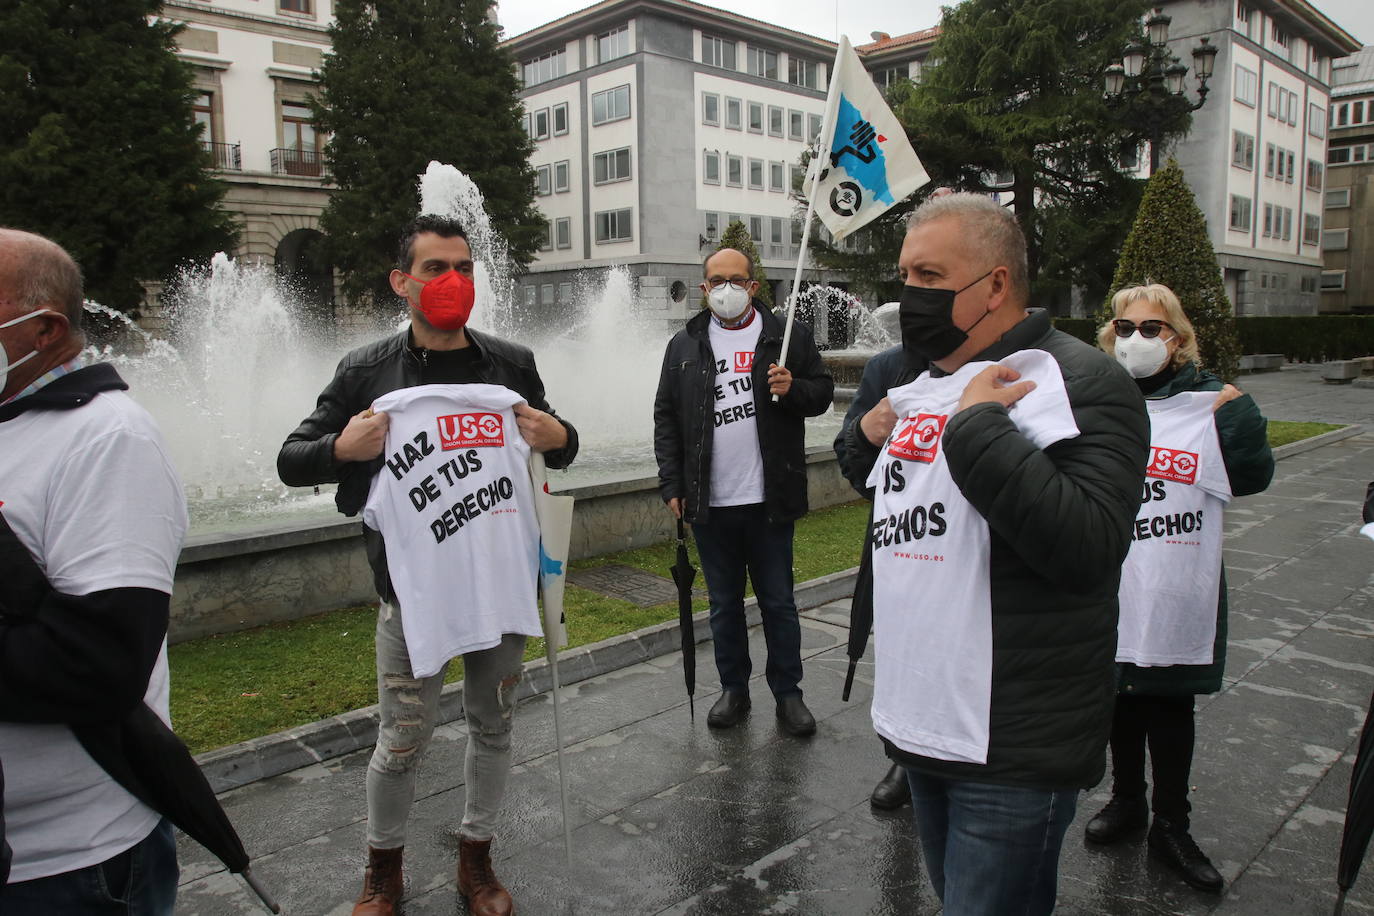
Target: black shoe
(1174, 847)
(892, 791)
(795, 718)
(728, 710)
(1122, 815)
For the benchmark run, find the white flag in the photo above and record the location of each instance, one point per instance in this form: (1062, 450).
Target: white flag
(555, 531)
(866, 165)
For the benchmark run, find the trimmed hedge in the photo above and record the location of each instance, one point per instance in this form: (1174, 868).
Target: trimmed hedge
(1308, 338)
(1085, 329)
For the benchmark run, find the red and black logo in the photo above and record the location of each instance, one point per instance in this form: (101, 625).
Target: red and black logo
(1172, 464)
(918, 437)
(744, 360)
(471, 430)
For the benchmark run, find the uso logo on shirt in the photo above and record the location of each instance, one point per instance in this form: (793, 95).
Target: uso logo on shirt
(744, 360)
(918, 437)
(471, 430)
(1172, 464)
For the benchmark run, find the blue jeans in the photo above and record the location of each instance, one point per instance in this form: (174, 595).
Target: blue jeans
(141, 881)
(991, 850)
(734, 541)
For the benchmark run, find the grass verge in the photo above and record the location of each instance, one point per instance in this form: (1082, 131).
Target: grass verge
(1282, 432)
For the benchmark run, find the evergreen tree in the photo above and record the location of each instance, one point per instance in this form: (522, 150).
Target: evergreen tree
(99, 148)
(410, 81)
(737, 236)
(1169, 244)
(1011, 101)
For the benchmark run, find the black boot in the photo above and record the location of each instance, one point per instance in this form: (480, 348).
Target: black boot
(892, 791)
(795, 718)
(1172, 845)
(1123, 815)
(728, 710)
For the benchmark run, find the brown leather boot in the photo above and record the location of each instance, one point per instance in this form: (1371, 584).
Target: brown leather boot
(486, 896)
(382, 884)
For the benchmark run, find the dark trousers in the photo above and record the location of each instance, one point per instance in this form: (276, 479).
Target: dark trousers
(1165, 724)
(738, 540)
(141, 881)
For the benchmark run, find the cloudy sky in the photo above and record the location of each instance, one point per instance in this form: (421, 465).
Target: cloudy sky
(857, 18)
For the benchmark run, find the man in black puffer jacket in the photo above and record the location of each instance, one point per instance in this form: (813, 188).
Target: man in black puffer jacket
(1058, 522)
(342, 441)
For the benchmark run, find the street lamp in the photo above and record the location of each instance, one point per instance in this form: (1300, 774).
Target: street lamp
(1152, 79)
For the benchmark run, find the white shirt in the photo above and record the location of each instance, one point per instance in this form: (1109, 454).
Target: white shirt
(736, 462)
(454, 504)
(1172, 574)
(932, 607)
(93, 495)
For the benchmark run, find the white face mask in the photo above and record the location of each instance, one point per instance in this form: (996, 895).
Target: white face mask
(1142, 356)
(727, 302)
(5, 364)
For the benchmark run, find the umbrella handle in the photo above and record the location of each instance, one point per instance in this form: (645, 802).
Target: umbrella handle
(849, 680)
(681, 530)
(261, 891)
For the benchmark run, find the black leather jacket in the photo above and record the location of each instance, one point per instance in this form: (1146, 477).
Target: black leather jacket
(684, 413)
(365, 374)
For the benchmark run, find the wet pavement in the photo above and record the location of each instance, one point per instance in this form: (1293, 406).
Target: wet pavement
(672, 817)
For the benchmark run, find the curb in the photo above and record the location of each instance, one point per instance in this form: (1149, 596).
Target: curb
(1307, 445)
(271, 755)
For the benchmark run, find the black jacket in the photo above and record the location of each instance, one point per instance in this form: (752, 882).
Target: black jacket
(1059, 521)
(365, 374)
(684, 414)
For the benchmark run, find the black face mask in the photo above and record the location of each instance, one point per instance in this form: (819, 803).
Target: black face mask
(926, 315)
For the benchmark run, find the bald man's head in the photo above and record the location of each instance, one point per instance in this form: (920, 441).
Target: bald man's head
(37, 273)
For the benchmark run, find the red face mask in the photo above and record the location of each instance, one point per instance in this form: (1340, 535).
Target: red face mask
(446, 301)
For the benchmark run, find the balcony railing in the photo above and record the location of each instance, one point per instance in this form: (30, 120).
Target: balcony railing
(305, 162)
(225, 155)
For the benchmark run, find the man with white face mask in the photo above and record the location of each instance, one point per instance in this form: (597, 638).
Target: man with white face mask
(731, 461)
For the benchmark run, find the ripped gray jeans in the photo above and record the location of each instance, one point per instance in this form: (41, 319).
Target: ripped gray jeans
(409, 708)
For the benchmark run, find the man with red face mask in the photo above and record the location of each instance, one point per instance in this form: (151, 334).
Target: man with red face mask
(343, 441)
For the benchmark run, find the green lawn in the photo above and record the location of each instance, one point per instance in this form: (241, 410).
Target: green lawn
(229, 688)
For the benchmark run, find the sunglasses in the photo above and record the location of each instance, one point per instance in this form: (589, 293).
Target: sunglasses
(1148, 329)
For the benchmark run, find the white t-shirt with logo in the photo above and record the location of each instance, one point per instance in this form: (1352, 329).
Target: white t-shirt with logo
(932, 608)
(736, 462)
(92, 493)
(454, 504)
(1172, 574)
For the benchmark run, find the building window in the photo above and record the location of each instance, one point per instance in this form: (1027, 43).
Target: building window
(546, 294)
(543, 181)
(1247, 86)
(1316, 121)
(300, 148)
(1268, 231)
(302, 7)
(775, 114)
(1333, 281)
(797, 177)
(560, 119)
(1337, 198)
(1287, 214)
(888, 77)
(1240, 213)
(777, 175)
(613, 44)
(1338, 155)
(1340, 116)
(1289, 163)
(756, 174)
(712, 226)
(801, 72)
(734, 114)
(796, 125)
(710, 167)
(710, 109)
(562, 232)
(1309, 284)
(539, 124)
(1279, 35)
(612, 165)
(565, 292)
(546, 67)
(734, 171)
(1242, 150)
(1311, 229)
(1357, 112)
(796, 231)
(1335, 239)
(562, 172)
(611, 105)
(531, 296)
(776, 230)
(717, 52)
(204, 112)
(1242, 13)
(1314, 175)
(763, 62)
(546, 242)
(756, 228)
(813, 126)
(614, 226)
(756, 117)
(1270, 154)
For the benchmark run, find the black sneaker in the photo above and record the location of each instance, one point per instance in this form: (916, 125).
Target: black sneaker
(1173, 846)
(1123, 815)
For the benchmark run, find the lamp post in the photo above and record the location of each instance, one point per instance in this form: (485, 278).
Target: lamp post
(1152, 79)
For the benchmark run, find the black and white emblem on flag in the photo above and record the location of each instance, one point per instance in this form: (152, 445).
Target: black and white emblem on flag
(846, 198)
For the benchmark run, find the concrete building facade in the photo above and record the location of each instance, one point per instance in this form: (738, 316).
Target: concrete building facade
(1347, 283)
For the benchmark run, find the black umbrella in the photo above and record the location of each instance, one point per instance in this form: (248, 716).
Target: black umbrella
(140, 753)
(683, 574)
(1359, 813)
(861, 608)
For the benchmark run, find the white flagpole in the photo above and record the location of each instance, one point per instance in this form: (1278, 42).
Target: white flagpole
(832, 104)
(558, 742)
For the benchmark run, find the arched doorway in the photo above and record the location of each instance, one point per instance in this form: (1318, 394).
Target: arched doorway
(304, 270)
